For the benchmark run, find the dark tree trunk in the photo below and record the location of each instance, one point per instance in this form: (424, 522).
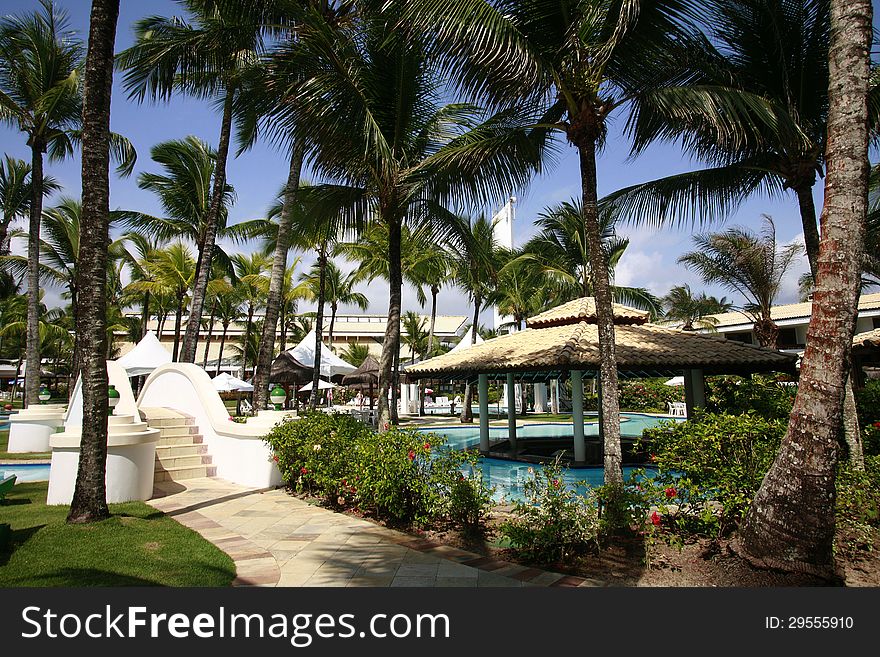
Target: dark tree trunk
(160, 327)
(282, 345)
(178, 320)
(395, 386)
(790, 524)
(248, 328)
(89, 496)
(604, 315)
(391, 344)
(319, 325)
(275, 299)
(333, 308)
(467, 413)
(210, 333)
(222, 345)
(434, 291)
(32, 368)
(808, 220)
(145, 314)
(766, 332)
(203, 273)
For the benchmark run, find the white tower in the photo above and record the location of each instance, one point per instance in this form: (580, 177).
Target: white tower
(502, 233)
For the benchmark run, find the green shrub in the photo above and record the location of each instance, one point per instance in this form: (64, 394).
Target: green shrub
(464, 499)
(871, 439)
(764, 395)
(716, 456)
(555, 521)
(648, 395)
(858, 505)
(868, 402)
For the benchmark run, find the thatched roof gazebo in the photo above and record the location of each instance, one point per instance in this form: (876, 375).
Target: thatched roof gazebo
(564, 342)
(288, 370)
(367, 375)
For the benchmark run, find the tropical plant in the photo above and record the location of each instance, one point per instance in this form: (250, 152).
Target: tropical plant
(693, 312)
(15, 195)
(400, 154)
(338, 289)
(253, 284)
(227, 310)
(355, 353)
(414, 334)
(748, 263)
(206, 57)
(791, 523)
(575, 63)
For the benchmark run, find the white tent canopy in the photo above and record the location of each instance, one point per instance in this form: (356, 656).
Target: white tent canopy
(225, 382)
(331, 364)
(676, 381)
(147, 355)
(322, 385)
(466, 341)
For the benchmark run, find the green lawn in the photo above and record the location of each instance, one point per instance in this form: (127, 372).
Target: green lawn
(138, 546)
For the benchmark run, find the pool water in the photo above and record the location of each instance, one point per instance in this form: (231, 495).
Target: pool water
(508, 477)
(25, 471)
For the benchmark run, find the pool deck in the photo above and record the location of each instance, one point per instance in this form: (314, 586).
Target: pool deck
(276, 539)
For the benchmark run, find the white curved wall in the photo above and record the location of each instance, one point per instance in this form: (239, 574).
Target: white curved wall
(129, 473)
(238, 450)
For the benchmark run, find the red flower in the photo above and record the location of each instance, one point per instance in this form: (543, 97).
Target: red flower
(344, 483)
(655, 519)
(653, 457)
(386, 426)
(877, 425)
(303, 470)
(556, 483)
(275, 458)
(411, 455)
(427, 447)
(670, 492)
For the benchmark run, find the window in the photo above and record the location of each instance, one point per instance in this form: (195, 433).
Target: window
(788, 339)
(743, 336)
(876, 322)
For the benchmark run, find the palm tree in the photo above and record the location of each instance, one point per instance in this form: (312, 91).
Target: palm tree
(753, 107)
(790, 523)
(399, 155)
(40, 95)
(474, 268)
(561, 252)
(183, 189)
(428, 266)
(340, 290)
(171, 273)
(136, 258)
(299, 326)
(750, 264)
(577, 63)
(694, 312)
(228, 310)
(522, 289)
(89, 495)
(414, 335)
(206, 58)
(252, 284)
(355, 353)
(16, 193)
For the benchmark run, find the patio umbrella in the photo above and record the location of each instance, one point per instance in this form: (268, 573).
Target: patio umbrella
(322, 385)
(367, 374)
(227, 383)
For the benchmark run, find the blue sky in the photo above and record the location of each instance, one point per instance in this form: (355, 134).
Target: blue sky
(258, 174)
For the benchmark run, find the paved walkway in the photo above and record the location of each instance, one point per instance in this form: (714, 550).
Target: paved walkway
(278, 540)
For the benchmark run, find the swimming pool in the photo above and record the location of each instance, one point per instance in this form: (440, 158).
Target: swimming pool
(466, 436)
(25, 471)
(508, 476)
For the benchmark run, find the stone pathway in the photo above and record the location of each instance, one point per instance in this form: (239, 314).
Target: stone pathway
(278, 540)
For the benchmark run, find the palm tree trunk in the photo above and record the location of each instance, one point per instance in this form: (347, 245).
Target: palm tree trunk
(610, 423)
(145, 314)
(395, 386)
(434, 291)
(283, 319)
(808, 220)
(178, 320)
(89, 496)
(161, 325)
(32, 369)
(790, 523)
(319, 325)
(247, 338)
(203, 273)
(391, 343)
(333, 308)
(467, 413)
(210, 333)
(275, 300)
(222, 344)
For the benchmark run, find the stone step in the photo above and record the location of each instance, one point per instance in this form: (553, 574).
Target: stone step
(163, 451)
(168, 432)
(182, 461)
(185, 472)
(190, 439)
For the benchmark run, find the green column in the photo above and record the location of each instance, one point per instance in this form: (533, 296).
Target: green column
(577, 415)
(483, 391)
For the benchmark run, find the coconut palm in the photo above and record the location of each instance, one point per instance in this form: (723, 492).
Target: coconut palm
(748, 263)
(15, 195)
(228, 310)
(171, 274)
(40, 94)
(253, 284)
(791, 521)
(340, 290)
(206, 57)
(576, 62)
(414, 334)
(299, 326)
(561, 252)
(399, 154)
(183, 189)
(355, 353)
(521, 290)
(474, 268)
(217, 286)
(752, 108)
(693, 312)
(135, 252)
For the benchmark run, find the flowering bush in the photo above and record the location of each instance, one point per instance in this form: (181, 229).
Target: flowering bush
(555, 521)
(464, 499)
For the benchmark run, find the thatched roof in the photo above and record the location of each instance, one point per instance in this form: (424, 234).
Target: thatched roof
(584, 310)
(368, 371)
(641, 350)
(287, 369)
(868, 341)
